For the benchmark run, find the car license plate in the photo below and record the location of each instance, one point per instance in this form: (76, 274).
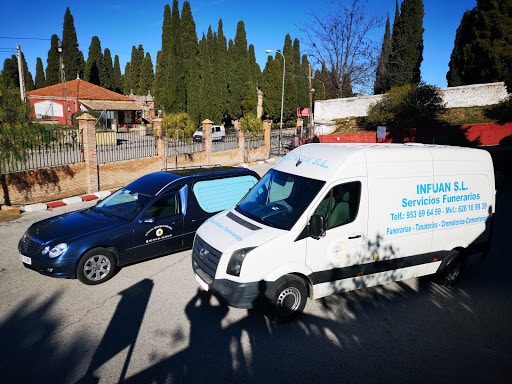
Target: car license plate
(26, 260)
(201, 283)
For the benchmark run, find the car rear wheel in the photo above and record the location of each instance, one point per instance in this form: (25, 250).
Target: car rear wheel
(96, 266)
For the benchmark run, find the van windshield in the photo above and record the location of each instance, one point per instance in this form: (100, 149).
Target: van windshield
(279, 199)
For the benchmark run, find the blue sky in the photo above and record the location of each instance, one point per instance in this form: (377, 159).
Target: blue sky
(122, 24)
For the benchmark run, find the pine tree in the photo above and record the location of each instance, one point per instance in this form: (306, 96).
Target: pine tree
(382, 81)
(72, 57)
(53, 63)
(482, 50)
(40, 81)
(407, 44)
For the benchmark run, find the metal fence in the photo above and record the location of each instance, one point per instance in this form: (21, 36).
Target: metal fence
(125, 145)
(46, 148)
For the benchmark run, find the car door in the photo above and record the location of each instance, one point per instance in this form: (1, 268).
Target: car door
(159, 229)
(332, 255)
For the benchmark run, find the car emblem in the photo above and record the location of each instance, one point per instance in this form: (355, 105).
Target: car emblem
(203, 253)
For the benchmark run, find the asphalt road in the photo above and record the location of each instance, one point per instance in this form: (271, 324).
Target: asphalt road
(149, 324)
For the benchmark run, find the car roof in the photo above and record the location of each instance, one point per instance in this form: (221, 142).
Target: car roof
(153, 183)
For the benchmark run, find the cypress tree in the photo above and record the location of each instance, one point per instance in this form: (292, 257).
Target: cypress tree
(95, 71)
(208, 108)
(146, 75)
(72, 57)
(40, 81)
(10, 72)
(221, 69)
(407, 44)
(482, 49)
(382, 81)
(116, 78)
(109, 69)
(161, 70)
(133, 70)
(242, 88)
(29, 80)
(53, 63)
(188, 53)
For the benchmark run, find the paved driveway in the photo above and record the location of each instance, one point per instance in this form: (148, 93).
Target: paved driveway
(149, 324)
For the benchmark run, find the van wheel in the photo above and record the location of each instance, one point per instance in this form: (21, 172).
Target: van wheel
(286, 299)
(451, 269)
(96, 266)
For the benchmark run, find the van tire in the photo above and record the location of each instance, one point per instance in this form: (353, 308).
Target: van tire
(286, 299)
(451, 269)
(96, 266)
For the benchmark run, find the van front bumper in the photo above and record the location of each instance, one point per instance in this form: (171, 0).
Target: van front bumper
(238, 295)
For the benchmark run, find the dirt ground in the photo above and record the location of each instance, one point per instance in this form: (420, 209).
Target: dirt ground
(8, 214)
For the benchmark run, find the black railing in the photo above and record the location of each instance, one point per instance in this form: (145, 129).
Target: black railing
(49, 148)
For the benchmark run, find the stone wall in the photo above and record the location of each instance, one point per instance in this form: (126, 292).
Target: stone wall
(327, 111)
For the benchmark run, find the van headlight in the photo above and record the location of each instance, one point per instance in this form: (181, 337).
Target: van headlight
(56, 251)
(236, 261)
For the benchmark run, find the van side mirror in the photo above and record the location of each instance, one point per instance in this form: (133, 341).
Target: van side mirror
(316, 226)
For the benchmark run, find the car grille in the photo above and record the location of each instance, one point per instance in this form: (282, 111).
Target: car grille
(30, 246)
(205, 258)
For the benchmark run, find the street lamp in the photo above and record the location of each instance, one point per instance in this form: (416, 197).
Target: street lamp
(282, 98)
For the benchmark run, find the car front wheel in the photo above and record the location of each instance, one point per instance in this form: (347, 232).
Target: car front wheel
(96, 266)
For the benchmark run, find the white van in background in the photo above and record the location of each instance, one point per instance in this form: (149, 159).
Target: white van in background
(330, 218)
(218, 133)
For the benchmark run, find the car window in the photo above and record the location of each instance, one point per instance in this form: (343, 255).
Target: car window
(166, 206)
(123, 204)
(216, 195)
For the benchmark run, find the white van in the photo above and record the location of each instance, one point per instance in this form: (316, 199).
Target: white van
(218, 133)
(330, 218)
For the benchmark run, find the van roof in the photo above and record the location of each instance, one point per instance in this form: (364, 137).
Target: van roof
(321, 160)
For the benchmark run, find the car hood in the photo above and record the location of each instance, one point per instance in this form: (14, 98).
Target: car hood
(71, 225)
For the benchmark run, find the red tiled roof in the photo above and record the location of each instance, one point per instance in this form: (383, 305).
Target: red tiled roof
(79, 89)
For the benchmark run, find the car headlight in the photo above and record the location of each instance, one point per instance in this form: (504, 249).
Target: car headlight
(236, 261)
(56, 251)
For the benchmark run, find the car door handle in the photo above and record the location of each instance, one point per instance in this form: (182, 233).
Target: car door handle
(354, 237)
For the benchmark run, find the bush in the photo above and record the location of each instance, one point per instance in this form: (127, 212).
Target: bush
(250, 124)
(178, 126)
(408, 106)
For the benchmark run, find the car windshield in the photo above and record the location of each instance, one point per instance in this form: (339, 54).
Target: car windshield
(279, 199)
(123, 204)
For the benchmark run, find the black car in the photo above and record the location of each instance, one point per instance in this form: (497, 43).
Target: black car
(154, 215)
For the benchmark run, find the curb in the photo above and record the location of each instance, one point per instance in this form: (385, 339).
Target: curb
(66, 201)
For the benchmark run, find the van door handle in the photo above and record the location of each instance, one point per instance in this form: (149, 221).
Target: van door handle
(354, 237)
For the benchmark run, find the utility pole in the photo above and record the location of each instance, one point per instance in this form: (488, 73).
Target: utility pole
(20, 73)
(311, 90)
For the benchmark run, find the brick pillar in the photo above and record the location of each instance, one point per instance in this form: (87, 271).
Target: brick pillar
(267, 125)
(86, 123)
(241, 142)
(207, 138)
(161, 141)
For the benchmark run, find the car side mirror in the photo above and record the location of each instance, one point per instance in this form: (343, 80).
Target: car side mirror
(316, 226)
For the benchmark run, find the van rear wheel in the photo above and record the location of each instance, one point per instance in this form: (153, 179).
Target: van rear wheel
(451, 269)
(286, 299)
